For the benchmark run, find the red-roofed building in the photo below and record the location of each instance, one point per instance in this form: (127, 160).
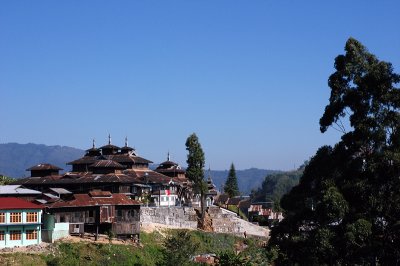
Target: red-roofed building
(264, 214)
(20, 222)
(98, 212)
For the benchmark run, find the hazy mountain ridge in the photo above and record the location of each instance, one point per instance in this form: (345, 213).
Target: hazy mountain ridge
(248, 179)
(15, 158)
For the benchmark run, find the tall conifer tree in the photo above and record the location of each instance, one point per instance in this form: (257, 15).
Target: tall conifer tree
(195, 170)
(231, 186)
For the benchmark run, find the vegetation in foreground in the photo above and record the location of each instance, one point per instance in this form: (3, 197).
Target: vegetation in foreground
(345, 210)
(175, 248)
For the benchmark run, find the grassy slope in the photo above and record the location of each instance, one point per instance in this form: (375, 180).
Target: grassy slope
(150, 253)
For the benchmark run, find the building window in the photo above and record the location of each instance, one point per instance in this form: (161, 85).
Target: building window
(31, 234)
(2, 217)
(1, 235)
(31, 217)
(15, 235)
(15, 217)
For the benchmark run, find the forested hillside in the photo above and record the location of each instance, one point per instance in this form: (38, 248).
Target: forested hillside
(276, 185)
(248, 179)
(16, 158)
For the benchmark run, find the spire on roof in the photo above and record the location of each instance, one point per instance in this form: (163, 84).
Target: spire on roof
(109, 139)
(209, 174)
(126, 141)
(94, 143)
(169, 157)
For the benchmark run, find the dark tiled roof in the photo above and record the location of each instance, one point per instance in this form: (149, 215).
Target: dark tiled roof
(16, 203)
(43, 166)
(84, 200)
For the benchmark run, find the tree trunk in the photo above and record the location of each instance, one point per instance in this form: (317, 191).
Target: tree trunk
(202, 201)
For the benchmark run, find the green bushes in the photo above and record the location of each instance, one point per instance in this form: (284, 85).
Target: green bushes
(154, 249)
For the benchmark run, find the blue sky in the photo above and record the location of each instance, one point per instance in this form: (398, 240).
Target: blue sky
(248, 77)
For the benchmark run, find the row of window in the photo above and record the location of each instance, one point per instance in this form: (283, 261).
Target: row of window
(16, 235)
(166, 199)
(16, 217)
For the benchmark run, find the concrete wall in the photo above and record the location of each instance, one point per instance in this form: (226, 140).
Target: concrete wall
(53, 231)
(223, 221)
(183, 217)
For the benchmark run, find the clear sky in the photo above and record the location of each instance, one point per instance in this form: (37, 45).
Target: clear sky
(248, 77)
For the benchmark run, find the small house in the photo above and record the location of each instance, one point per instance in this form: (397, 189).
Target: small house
(98, 212)
(20, 222)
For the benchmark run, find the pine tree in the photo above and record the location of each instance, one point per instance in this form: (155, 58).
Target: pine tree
(231, 186)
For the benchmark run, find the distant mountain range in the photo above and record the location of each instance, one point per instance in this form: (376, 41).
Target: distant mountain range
(248, 179)
(16, 158)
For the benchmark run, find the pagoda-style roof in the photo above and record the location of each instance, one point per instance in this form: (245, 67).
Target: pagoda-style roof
(84, 160)
(44, 166)
(170, 170)
(130, 176)
(109, 147)
(107, 164)
(167, 164)
(125, 158)
(93, 152)
(127, 149)
(169, 167)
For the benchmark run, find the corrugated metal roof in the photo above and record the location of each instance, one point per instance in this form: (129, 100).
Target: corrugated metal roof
(107, 164)
(12, 203)
(17, 189)
(60, 191)
(50, 195)
(110, 146)
(132, 176)
(85, 200)
(43, 166)
(99, 193)
(84, 160)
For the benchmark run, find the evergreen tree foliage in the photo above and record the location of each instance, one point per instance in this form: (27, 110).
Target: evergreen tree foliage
(275, 186)
(5, 180)
(195, 170)
(345, 209)
(231, 185)
(178, 249)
